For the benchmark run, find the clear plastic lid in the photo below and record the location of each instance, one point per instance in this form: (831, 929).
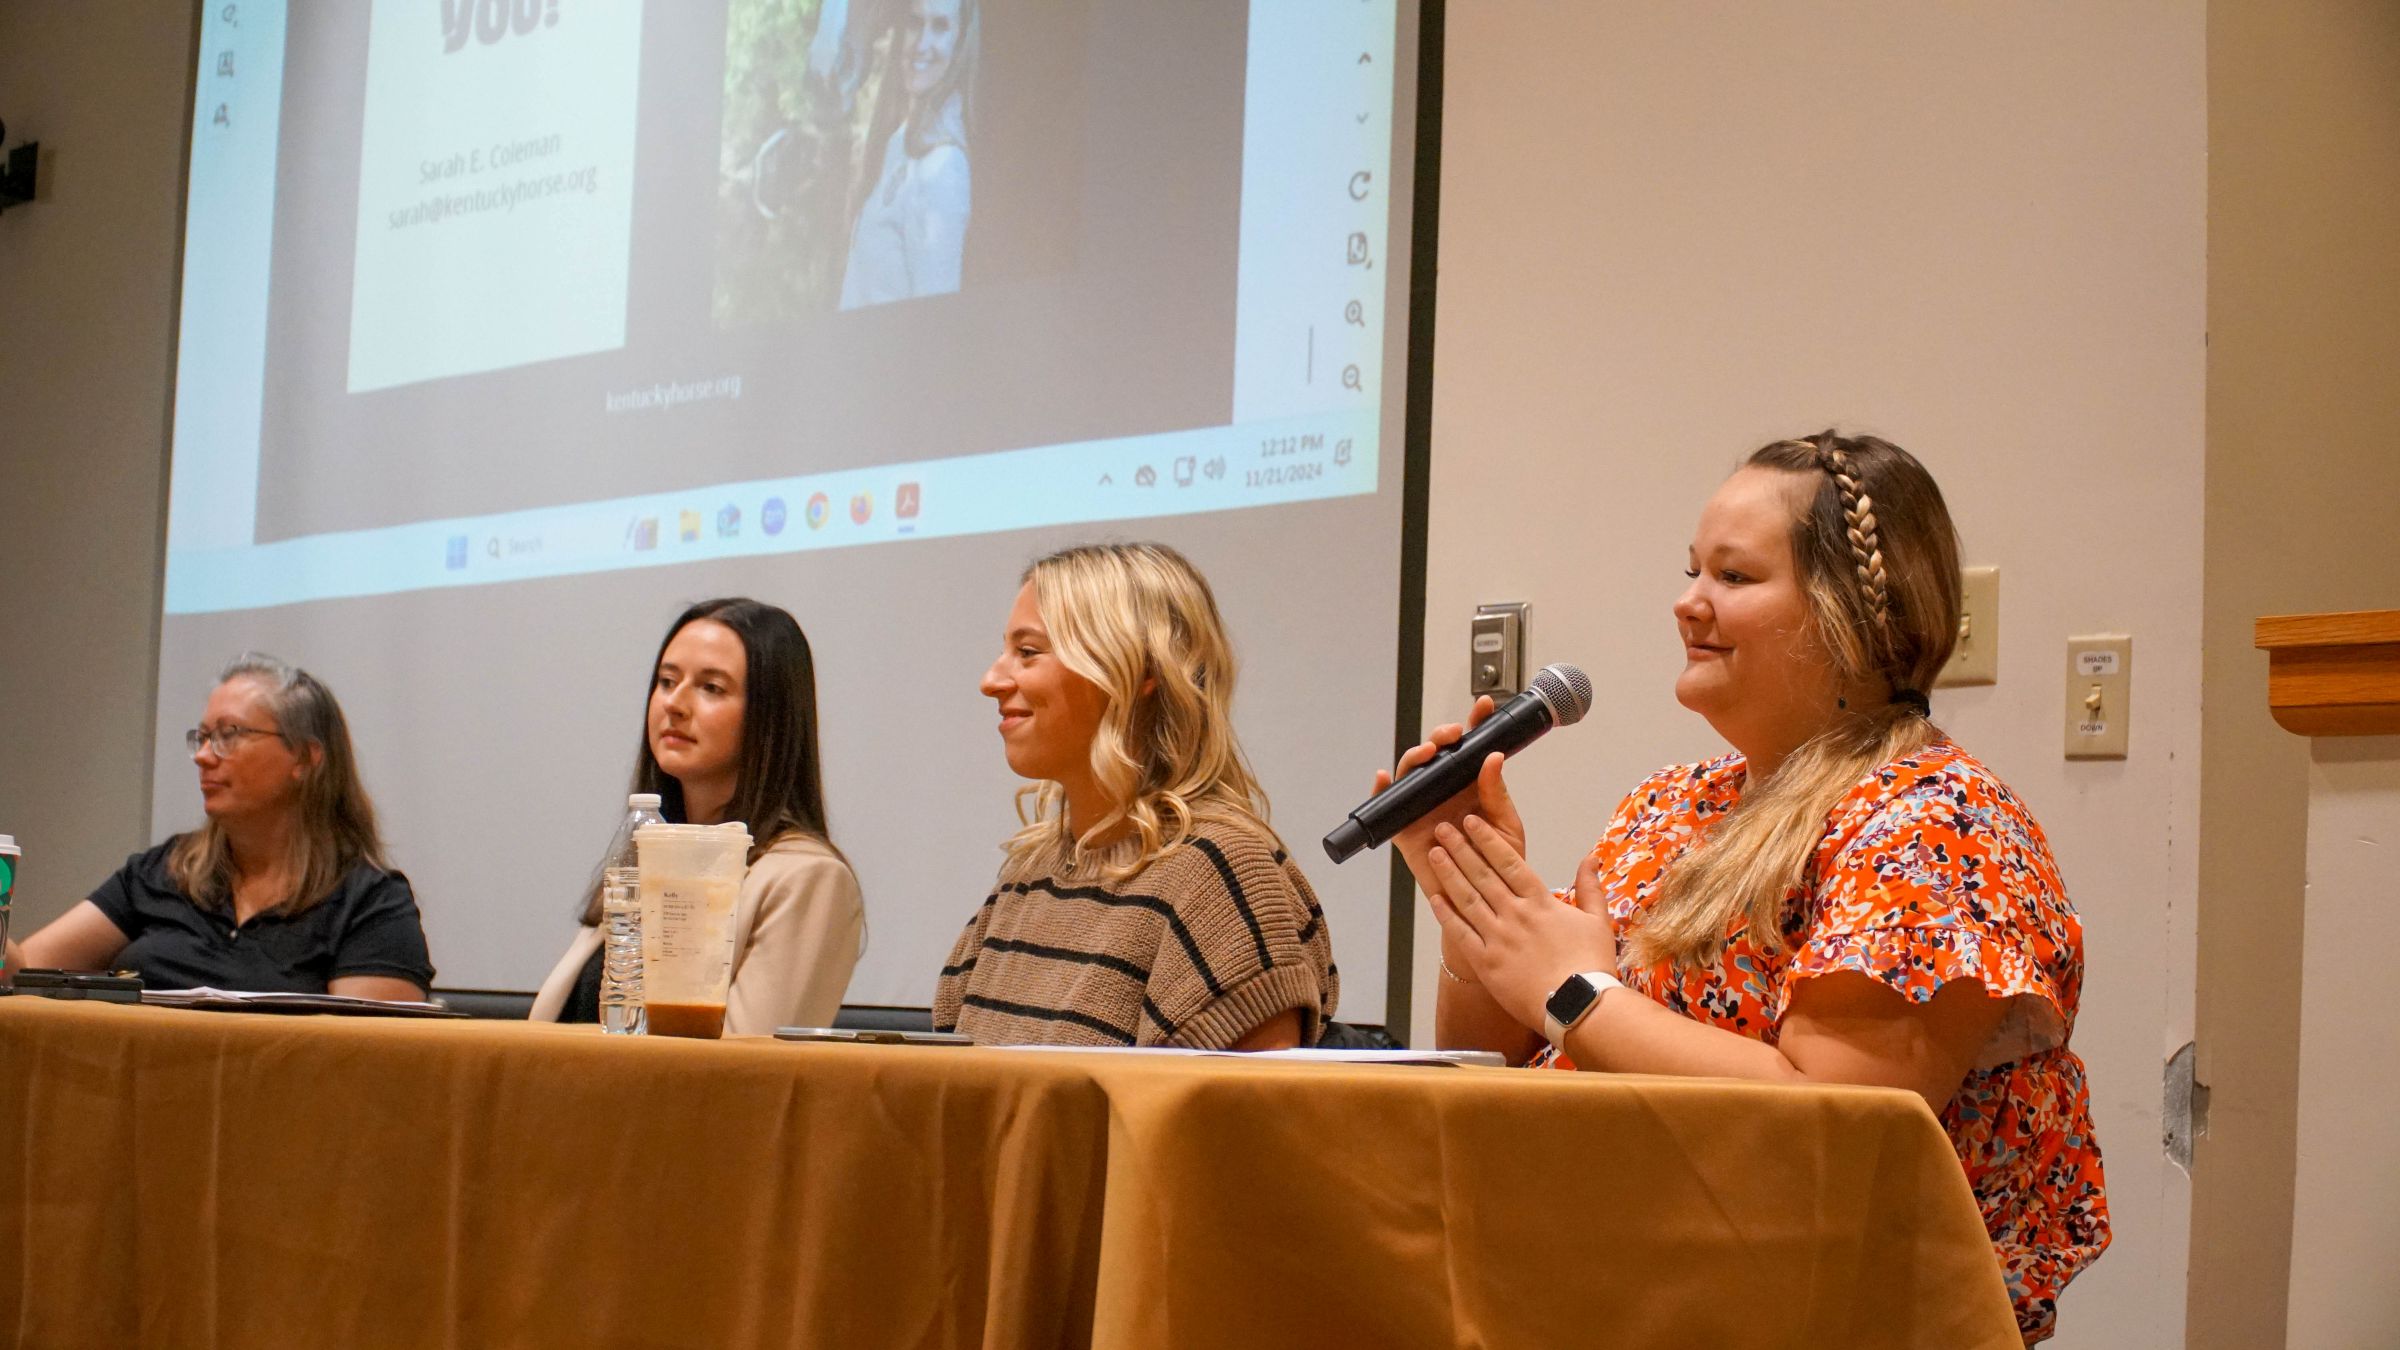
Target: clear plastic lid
(694, 850)
(8, 843)
(643, 801)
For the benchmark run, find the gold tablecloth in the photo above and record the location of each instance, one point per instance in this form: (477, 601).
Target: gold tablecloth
(189, 1179)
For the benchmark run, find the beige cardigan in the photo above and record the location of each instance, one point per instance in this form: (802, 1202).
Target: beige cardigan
(798, 930)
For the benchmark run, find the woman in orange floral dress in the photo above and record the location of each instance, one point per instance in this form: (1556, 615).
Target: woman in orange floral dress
(1848, 897)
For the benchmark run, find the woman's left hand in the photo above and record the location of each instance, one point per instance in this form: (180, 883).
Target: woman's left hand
(1520, 942)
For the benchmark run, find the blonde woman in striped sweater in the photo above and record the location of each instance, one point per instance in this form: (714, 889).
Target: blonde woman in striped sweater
(1146, 901)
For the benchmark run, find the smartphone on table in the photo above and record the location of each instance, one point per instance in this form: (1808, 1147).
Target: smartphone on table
(870, 1036)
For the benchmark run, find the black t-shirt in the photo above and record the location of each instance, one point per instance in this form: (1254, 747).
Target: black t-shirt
(369, 925)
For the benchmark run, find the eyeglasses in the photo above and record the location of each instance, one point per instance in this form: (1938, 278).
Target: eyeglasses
(223, 740)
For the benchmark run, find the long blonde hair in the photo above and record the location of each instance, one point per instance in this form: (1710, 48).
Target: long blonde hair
(337, 819)
(1878, 557)
(1139, 621)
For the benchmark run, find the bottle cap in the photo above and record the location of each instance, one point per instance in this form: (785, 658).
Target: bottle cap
(643, 801)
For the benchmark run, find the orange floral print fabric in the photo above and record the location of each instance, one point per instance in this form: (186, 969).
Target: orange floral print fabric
(1930, 870)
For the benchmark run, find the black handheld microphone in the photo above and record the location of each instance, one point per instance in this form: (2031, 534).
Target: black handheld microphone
(1559, 696)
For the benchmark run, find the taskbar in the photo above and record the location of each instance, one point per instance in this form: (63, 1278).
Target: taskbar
(1176, 473)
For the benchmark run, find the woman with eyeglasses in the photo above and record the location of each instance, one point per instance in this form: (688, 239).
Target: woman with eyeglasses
(283, 889)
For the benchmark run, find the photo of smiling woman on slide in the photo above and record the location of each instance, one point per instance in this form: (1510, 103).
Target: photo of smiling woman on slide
(845, 154)
(910, 232)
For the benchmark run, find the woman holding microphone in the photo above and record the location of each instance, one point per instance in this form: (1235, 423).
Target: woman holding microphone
(1146, 901)
(729, 733)
(1847, 897)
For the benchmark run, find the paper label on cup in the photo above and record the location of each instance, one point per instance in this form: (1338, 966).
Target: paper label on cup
(686, 930)
(687, 934)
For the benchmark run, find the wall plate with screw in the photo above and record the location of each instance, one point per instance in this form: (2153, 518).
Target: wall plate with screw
(1496, 650)
(1976, 658)
(2099, 710)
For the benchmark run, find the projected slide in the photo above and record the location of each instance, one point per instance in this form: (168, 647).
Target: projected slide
(577, 286)
(512, 327)
(495, 188)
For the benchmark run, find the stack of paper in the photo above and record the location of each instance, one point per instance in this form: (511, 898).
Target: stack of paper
(239, 1000)
(1439, 1058)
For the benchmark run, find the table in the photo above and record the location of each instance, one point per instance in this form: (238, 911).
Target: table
(182, 1178)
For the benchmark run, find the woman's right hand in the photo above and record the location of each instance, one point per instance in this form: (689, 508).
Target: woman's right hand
(1465, 1017)
(1488, 798)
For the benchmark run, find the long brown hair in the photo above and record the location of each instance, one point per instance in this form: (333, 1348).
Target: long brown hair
(1878, 558)
(779, 783)
(337, 819)
(1122, 616)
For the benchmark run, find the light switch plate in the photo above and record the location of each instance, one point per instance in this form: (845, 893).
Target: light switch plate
(2099, 707)
(1976, 658)
(1496, 650)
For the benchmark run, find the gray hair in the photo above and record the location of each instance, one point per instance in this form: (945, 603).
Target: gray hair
(274, 668)
(305, 712)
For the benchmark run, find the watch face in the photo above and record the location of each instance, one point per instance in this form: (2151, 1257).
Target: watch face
(1570, 999)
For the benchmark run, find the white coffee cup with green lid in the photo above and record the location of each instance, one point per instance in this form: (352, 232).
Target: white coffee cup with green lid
(9, 855)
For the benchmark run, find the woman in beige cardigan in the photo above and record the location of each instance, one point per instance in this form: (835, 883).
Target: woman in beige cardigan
(731, 734)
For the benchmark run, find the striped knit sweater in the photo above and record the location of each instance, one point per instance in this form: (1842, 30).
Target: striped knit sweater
(1210, 941)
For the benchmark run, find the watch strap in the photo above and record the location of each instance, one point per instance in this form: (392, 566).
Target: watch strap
(1598, 982)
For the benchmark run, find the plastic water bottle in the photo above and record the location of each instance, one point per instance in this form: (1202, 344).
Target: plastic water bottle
(621, 1010)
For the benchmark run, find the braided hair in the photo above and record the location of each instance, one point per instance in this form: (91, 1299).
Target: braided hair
(1858, 527)
(1877, 556)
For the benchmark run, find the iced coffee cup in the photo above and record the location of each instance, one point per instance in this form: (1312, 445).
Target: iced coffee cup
(691, 883)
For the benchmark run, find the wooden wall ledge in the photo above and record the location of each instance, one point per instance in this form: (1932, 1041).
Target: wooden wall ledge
(2334, 674)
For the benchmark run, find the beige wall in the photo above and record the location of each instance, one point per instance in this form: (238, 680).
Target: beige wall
(1671, 232)
(87, 305)
(2304, 337)
(2346, 1189)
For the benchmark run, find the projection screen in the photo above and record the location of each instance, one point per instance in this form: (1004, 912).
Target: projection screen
(510, 327)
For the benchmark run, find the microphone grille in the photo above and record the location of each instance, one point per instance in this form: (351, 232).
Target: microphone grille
(1565, 690)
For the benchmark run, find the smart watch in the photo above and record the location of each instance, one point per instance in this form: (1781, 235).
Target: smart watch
(1573, 1001)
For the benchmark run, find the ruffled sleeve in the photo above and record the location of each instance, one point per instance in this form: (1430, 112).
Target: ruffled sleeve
(1942, 880)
